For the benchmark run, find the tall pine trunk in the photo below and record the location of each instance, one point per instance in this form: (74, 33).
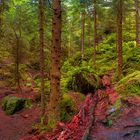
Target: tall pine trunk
(1, 17)
(137, 21)
(95, 35)
(1, 11)
(17, 61)
(82, 33)
(17, 74)
(41, 35)
(119, 37)
(54, 115)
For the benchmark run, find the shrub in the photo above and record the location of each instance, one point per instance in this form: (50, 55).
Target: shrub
(110, 39)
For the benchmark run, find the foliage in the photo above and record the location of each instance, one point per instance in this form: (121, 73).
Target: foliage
(79, 78)
(52, 122)
(106, 60)
(131, 59)
(82, 81)
(37, 83)
(13, 104)
(130, 85)
(110, 39)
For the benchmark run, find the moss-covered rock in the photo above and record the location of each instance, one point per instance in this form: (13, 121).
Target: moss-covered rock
(130, 85)
(13, 104)
(83, 81)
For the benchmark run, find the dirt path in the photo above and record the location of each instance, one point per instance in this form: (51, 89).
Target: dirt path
(16, 126)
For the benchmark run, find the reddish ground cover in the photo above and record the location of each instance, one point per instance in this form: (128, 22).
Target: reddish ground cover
(16, 126)
(92, 122)
(88, 123)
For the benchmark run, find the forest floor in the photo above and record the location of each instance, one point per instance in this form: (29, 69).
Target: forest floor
(20, 124)
(94, 120)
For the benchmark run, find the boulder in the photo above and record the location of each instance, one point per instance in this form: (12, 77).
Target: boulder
(83, 82)
(13, 104)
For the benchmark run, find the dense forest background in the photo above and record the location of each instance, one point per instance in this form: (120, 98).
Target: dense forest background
(55, 48)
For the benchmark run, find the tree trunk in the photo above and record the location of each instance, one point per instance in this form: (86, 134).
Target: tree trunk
(89, 33)
(54, 115)
(95, 35)
(137, 21)
(83, 34)
(41, 34)
(17, 61)
(70, 42)
(119, 37)
(17, 73)
(1, 15)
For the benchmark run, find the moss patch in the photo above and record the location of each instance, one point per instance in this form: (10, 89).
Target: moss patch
(130, 85)
(13, 104)
(67, 107)
(83, 81)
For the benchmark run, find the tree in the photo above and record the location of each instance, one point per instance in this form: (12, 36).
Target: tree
(18, 34)
(95, 34)
(119, 36)
(54, 115)
(42, 65)
(19, 30)
(82, 27)
(137, 21)
(1, 12)
(17, 60)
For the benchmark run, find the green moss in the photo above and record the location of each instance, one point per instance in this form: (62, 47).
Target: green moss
(52, 121)
(13, 104)
(82, 80)
(117, 104)
(67, 107)
(27, 103)
(130, 85)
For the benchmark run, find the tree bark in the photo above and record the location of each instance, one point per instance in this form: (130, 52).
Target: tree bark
(17, 61)
(70, 42)
(17, 77)
(137, 21)
(54, 115)
(95, 34)
(42, 65)
(82, 34)
(119, 37)
(1, 15)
